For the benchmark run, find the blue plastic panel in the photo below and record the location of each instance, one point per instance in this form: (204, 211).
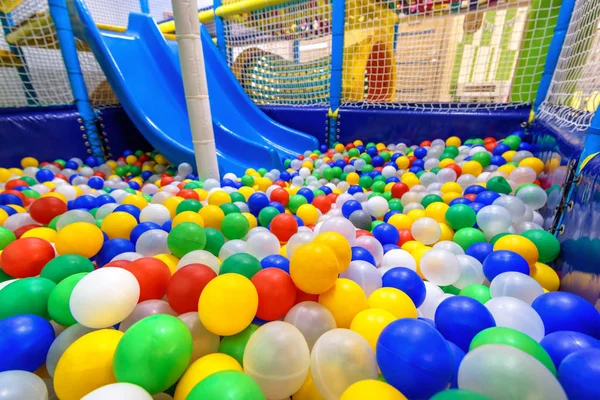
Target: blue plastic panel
(312, 120)
(44, 133)
(119, 133)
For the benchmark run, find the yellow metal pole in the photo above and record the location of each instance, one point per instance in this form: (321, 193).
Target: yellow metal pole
(203, 16)
(245, 6)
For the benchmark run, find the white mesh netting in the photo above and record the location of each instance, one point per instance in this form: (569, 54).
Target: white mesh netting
(32, 72)
(484, 53)
(574, 94)
(282, 54)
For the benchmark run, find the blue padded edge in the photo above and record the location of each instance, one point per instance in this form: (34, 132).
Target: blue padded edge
(311, 120)
(45, 133)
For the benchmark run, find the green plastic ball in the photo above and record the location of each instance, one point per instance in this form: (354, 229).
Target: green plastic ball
(266, 215)
(234, 226)
(6, 237)
(229, 208)
(461, 216)
(248, 180)
(483, 157)
(465, 237)
(365, 182)
(228, 385)
(547, 244)
(235, 345)
(430, 199)
(58, 301)
(499, 184)
(186, 237)
(188, 205)
(481, 293)
(66, 265)
(241, 263)
(26, 296)
(214, 241)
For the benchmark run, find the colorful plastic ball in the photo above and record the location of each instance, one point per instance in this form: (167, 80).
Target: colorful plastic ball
(95, 351)
(500, 261)
(460, 318)
(257, 201)
(202, 368)
(344, 300)
(228, 304)
(386, 234)
(276, 261)
(284, 226)
(365, 275)
(145, 309)
(563, 311)
(227, 385)
(426, 230)
(112, 248)
(350, 207)
(414, 358)
(25, 296)
(547, 244)
(516, 284)
(488, 369)
(43, 210)
(104, 297)
(407, 281)
(314, 268)
(153, 353)
(342, 226)
(277, 358)
(479, 250)
(152, 275)
(339, 245)
(394, 301)
(140, 229)
(276, 293)
(440, 267)
(513, 313)
(26, 257)
(64, 266)
(118, 391)
(362, 254)
(58, 301)
(186, 285)
(241, 263)
(460, 216)
(312, 320)
(24, 342)
(369, 324)
(22, 385)
(371, 388)
(234, 226)
(204, 341)
(118, 225)
(157, 213)
(579, 372)
(186, 237)
(79, 238)
(339, 359)
(560, 344)
(520, 245)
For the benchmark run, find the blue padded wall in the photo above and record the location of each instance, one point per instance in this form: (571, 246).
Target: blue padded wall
(119, 133)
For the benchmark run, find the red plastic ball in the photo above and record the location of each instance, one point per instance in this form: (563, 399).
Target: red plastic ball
(118, 263)
(153, 275)
(425, 143)
(490, 146)
(276, 293)
(20, 231)
(332, 197)
(284, 226)
(489, 140)
(100, 174)
(164, 181)
(16, 193)
(411, 160)
(456, 169)
(279, 183)
(398, 190)
(350, 146)
(43, 210)
(280, 196)
(61, 176)
(322, 203)
(186, 286)
(188, 194)
(303, 296)
(362, 232)
(300, 157)
(470, 196)
(405, 236)
(26, 257)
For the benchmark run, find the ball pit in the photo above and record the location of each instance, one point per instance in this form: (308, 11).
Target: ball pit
(427, 263)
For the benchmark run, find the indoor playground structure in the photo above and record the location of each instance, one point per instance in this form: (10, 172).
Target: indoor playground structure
(299, 199)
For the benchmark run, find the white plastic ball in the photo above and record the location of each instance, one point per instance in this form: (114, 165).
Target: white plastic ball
(471, 272)
(365, 275)
(450, 246)
(152, 243)
(398, 258)
(516, 284)
(433, 297)
(262, 244)
(493, 220)
(373, 246)
(426, 230)
(200, 257)
(342, 226)
(511, 312)
(440, 267)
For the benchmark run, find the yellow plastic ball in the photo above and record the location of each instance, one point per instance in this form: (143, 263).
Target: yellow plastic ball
(201, 368)
(388, 187)
(263, 183)
(202, 194)
(453, 141)
(87, 364)
(400, 221)
(5, 174)
(409, 179)
(188, 216)
(344, 300)
(308, 214)
(358, 142)
(545, 276)
(314, 268)
(447, 232)
(416, 214)
(246, 192)
(283, 251)
(417, 254)
(17, 208)
(448, 197)
(371, 389)
(402, 162)
(3, 216)
(160, 159)
(411, 246)
(508, 156)
(136, 200)
(228, 304)
(118, 225)
(394, 301)
(252, 222)
(520, 245)
(369, 324)
(218, 197)
(78, 190)
(171, 203)
(340, 247)
(112, 163)
(451, 187)
(472, 168)
(352, 178)
(59, 196)
(168, 259)
(445, 162)
(212, 216)
(29, 162)
(307, 164)
(131, 159)
(552, 164)
(339, 148)
(437, 211)
(308, 390)
(534, 163)
(506, 168)
(380, 146)
(16, 171)
(48, 234)
(82, 238)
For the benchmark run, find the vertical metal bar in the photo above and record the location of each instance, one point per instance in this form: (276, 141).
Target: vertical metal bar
(337, 60)
(66, 39)
(220, 30)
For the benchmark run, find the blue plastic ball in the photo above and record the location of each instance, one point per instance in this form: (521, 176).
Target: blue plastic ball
(504, 261)
(414, 358)
(226, 182)
(277, 205)
(420, 153)
(276, 261)
(349, 207)
(257, 201)
(460, 318)
(487, 197)
(127, 153)
(72, 165)
(498, 160)
(167, 226)
(285, 176)
(326, 189)
(362, 254)
(372, 151)
(458, 356)
(480, 250)
(8, 198)
(112, 248)
(394, 179)
(386, 234)
(299, 220)
(104, 199)
(408, 281)
(24, 342)
(92, 161)
(9, 210)
(95, 182)
(415, 170)
(563, 311)
(474, 189)
(134, 185)
(360, 148)
(476, 207)
(355, 189)
(44, 175)
(419, 163)
(377, 161)
(524, 146)
(389, 214)
(579, 375)
(140, 229)
(86, 201)
(146, 175)
(460, 200)
(130, 209)
(323, 148)
(500, 149)
(560, 344)
(388, 247)
(307, 193)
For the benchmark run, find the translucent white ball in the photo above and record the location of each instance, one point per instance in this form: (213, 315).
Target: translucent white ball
(365, 275)
(297, 240)
(152, 243)
(511, 312)
(312, 320)
(342, 226)
(398, 258)
(450, 246)
(513, 204)
(200, 257)
(426, 230)
(440, 267)
(373, 246)
(433, 297)
(262, 244)
(516, 284)
(533, 196)
(493, 220)
(471, 272)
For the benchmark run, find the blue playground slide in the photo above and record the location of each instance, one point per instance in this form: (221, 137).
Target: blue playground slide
(144, 72)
